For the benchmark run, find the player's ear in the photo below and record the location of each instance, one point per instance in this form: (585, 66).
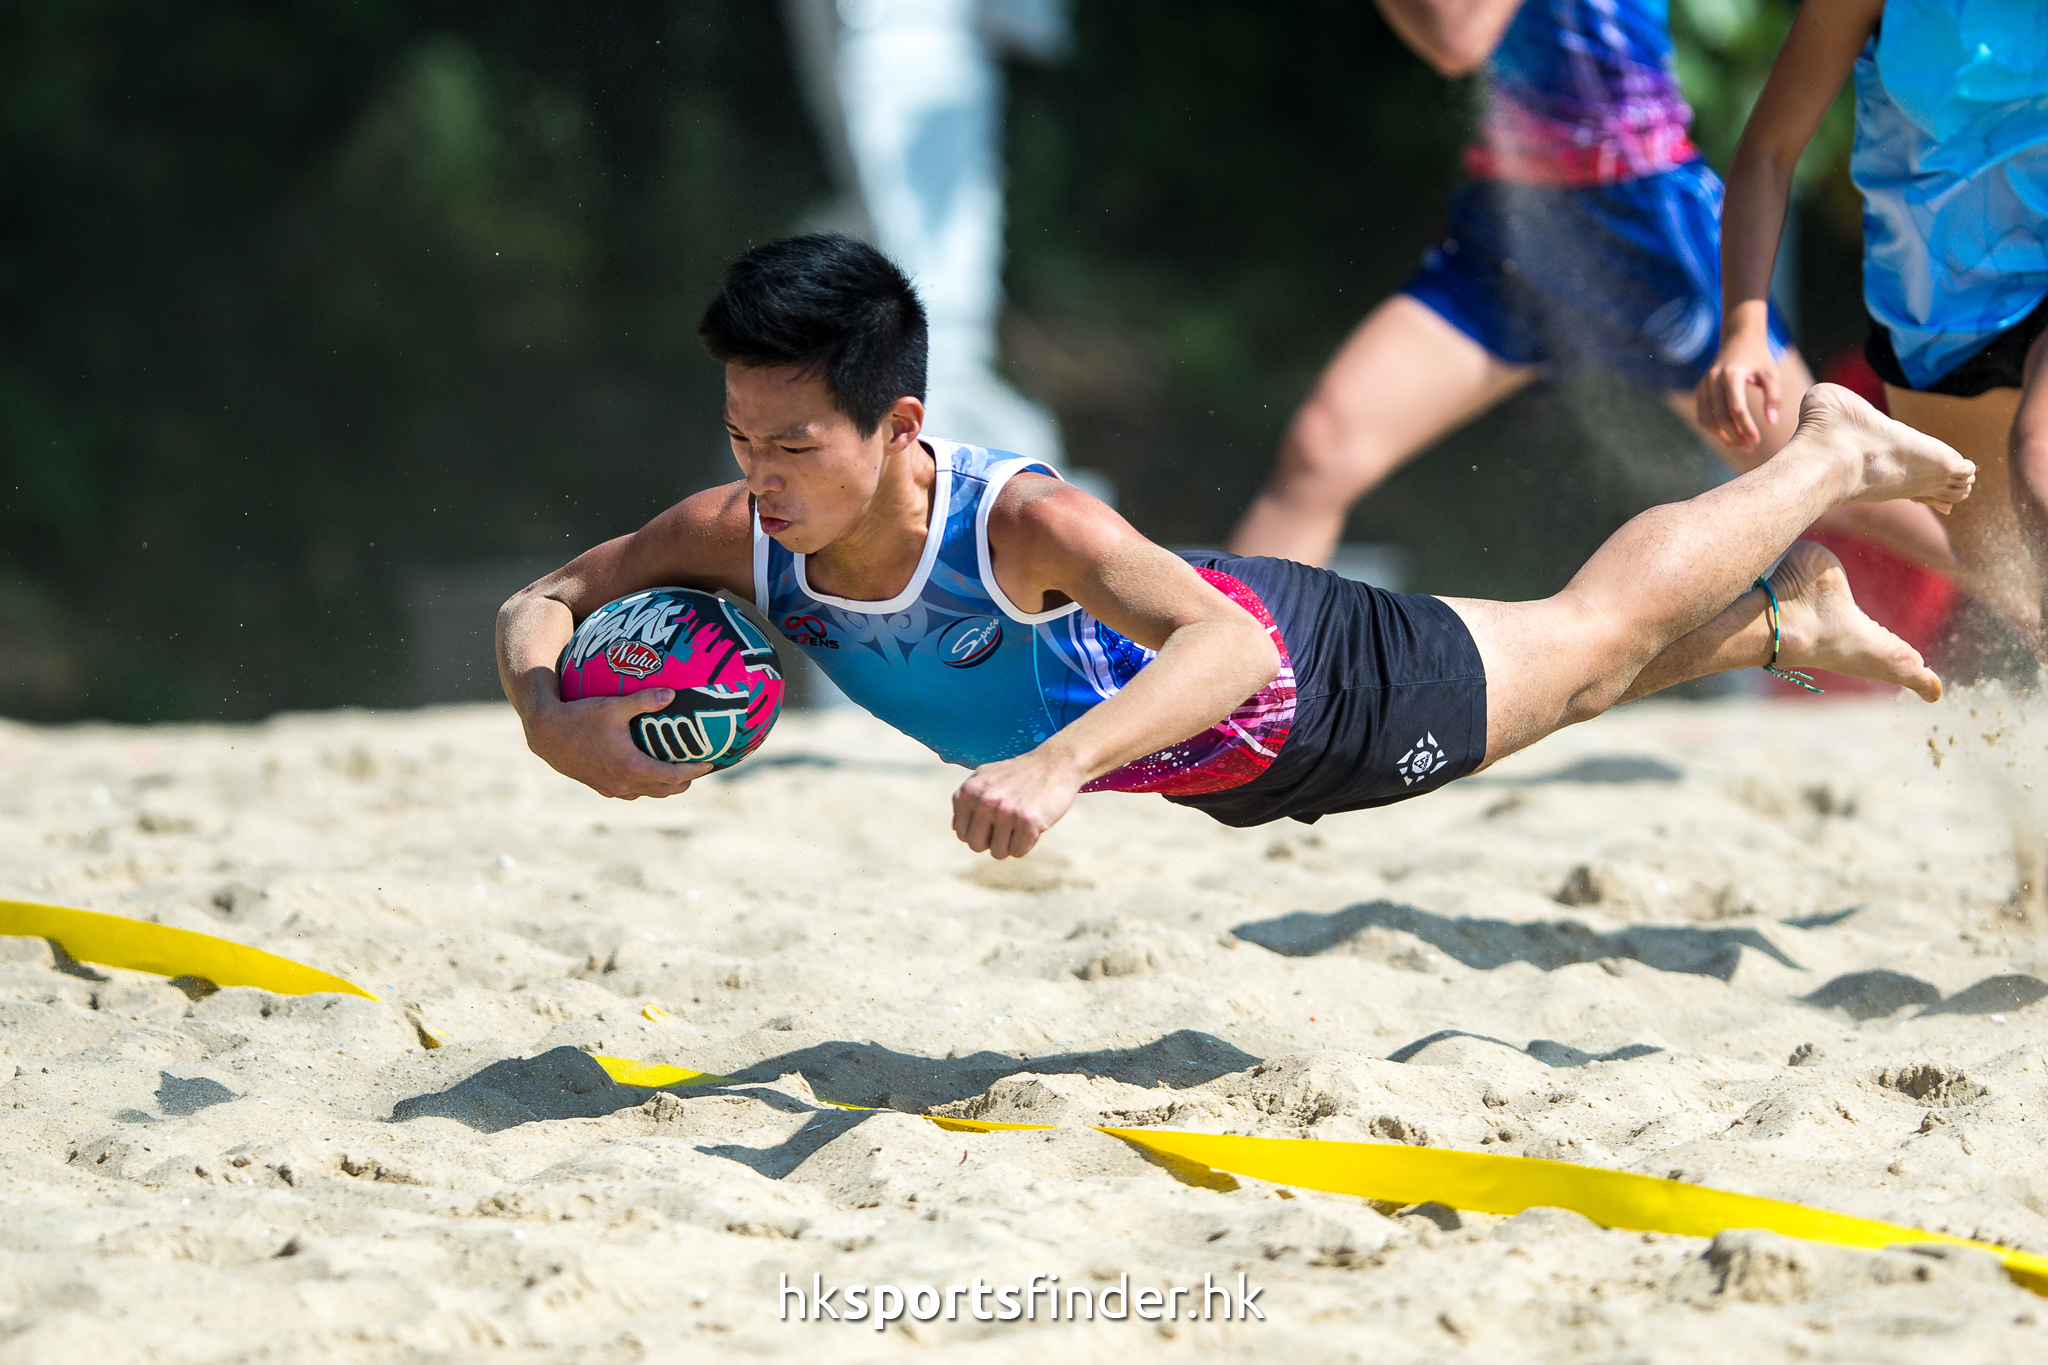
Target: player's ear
(902, 423)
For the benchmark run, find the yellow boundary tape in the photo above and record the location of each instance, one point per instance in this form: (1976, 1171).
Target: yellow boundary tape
(116, 941)
(1477, 1181)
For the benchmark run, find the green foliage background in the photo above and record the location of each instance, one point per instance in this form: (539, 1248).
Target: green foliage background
(301, 296)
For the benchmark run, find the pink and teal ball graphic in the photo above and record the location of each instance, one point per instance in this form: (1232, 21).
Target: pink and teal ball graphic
(726, 673)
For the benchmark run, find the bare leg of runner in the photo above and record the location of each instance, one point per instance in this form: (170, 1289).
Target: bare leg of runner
(1990, 538)
(1677, 568)
(1904, 528)
(1405, 379)
(2029, 446)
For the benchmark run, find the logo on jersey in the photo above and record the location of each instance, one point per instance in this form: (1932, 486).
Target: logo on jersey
(1420, 761)
(807, 630)
(970, 641)
(633, 658)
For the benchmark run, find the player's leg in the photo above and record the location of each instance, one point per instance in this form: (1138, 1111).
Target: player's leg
(1819, 626)
(1905, 528)
(1677, 568)
(1994, 562)
(1405, 378)
(2029, 461)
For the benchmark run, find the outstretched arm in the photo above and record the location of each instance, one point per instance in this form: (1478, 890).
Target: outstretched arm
(1050, 543)
(1454, 36)
(1826, 36)
(704, 541)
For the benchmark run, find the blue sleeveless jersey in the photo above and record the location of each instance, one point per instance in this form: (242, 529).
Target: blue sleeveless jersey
(954, 664)
(1951, 154)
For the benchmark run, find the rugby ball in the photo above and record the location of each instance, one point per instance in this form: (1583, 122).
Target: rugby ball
(726, 673)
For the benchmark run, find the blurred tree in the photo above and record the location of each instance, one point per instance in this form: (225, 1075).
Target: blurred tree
(297, 296)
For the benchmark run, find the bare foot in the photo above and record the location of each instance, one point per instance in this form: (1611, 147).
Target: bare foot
(1824, 628)
(1894, 460)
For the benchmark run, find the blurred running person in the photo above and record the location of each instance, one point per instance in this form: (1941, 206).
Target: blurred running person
(1951, 154)
(1587, 235)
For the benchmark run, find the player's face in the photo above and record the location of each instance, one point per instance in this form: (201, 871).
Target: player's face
(812, 474)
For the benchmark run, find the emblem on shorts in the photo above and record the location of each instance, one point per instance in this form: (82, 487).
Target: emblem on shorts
(1680, 330)
(969, 641)
(1420, 761)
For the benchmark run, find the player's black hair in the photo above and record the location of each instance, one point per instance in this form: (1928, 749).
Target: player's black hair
(830, 305)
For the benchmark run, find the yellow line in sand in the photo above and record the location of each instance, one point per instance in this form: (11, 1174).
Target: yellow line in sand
(1481, 1182)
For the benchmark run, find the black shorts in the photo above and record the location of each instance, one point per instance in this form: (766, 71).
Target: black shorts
(2000, 364)
(1390, 696)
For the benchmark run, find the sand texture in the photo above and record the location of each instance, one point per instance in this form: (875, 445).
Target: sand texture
(1771, 948)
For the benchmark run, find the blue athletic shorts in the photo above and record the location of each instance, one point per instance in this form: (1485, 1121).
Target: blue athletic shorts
(1624, 278)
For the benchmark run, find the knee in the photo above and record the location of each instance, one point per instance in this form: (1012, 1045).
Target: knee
(2030, 465)
(1330, 454)
(1608, 654)
(1594, 700)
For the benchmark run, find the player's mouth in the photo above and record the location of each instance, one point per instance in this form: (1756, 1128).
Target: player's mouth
(773, 526)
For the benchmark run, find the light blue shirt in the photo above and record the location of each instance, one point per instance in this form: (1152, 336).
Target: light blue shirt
(950, 660)
(1952, 157)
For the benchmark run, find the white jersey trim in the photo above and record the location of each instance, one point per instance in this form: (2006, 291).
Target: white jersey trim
(934, 537)
(997, 475)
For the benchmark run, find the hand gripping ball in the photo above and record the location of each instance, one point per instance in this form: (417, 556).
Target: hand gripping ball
(726, 674)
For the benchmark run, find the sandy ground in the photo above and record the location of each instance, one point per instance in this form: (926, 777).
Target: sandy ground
(1767, 948)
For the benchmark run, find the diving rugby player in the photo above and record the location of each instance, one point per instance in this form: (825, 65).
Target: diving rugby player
(1022, 629)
